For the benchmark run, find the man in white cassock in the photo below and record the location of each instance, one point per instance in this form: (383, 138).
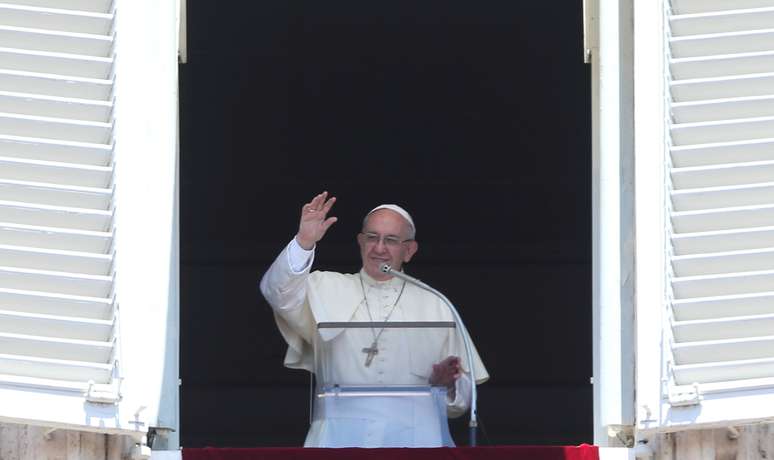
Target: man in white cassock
(371, 357)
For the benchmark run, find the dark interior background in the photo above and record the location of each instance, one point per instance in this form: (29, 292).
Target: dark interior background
(475, 116)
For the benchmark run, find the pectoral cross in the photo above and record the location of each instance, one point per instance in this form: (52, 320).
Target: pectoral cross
(371, 352)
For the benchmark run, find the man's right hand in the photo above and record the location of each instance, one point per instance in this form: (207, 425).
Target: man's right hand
(314, 223)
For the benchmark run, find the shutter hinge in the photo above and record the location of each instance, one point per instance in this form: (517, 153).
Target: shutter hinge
(684, 395)
(103, 394)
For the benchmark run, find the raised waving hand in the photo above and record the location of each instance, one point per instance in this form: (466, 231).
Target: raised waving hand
(315, 221)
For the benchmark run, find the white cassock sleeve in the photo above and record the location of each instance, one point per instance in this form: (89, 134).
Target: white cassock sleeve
(299, 259)
(461, 402)
(284, 287)
(284, 283)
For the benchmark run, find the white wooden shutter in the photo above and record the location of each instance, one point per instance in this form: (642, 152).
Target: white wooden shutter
(88, 215)
(720, 199)
(58, 322)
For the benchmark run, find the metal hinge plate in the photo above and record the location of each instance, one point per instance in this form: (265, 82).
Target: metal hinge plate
(684, 395)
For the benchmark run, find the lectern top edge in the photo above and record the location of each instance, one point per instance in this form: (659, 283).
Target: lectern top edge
(383, 324)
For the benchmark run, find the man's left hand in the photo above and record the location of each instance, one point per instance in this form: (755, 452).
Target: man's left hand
(446, 372)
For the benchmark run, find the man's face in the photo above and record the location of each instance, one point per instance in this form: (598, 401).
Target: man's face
(383, 240)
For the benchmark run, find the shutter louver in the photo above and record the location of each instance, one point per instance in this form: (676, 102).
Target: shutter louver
(721, 172)
(58, 322)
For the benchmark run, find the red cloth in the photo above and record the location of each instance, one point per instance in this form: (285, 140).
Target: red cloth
(582, 452)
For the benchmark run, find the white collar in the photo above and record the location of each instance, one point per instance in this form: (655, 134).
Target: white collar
(392, 283)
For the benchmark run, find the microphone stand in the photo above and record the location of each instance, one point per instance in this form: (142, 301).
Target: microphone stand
(472, 426)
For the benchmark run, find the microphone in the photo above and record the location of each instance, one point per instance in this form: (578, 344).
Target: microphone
(386, 268)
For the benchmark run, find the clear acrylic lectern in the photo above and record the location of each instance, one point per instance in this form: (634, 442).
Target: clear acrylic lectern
(372, 385)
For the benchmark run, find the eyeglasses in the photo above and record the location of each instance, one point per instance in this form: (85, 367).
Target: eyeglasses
(391, 241)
